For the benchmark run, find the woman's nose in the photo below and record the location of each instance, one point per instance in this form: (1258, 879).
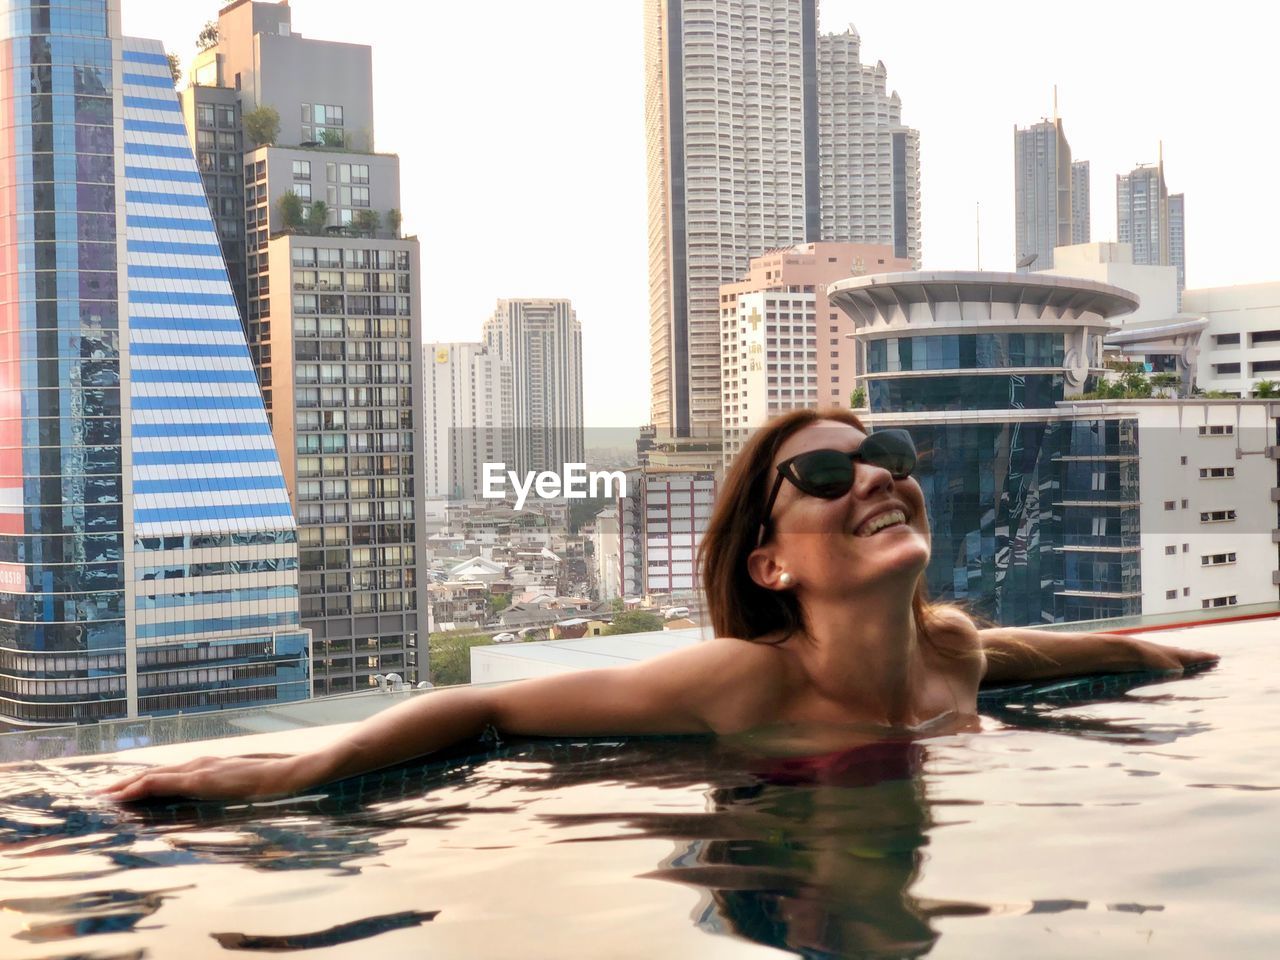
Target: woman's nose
(869, 479)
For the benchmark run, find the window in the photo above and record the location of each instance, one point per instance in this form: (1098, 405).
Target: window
(1227, 340)
(1217, 473)
(204, 115)
(1170, 504)
(1184, 461)
(1184, 504)
(1222, 369)
(1228, 601)
(303, 190)
(1217, 516)
(1217, 430)
(1264, 366)
(1186, 547)
(1170, 550)
(1262, 336)
(302, 169)
(1217, 559)
(1171, 594)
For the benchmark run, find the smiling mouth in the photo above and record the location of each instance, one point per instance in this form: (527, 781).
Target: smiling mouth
(881, 521)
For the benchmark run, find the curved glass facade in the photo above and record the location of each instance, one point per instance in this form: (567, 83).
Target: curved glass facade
(965, 392)
(1018, 510)
(965, 351)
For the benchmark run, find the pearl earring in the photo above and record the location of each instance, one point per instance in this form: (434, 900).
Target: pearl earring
(785, 579)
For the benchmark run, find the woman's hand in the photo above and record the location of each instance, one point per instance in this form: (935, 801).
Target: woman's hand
(1019, 655)
(252, 777)
(1155, 656)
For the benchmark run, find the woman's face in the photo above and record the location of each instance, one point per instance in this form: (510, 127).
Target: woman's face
(874, 534)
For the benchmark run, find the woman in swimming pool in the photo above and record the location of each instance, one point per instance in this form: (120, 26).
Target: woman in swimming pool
(812, 567)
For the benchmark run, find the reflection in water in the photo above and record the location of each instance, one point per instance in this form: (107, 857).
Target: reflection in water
(818, 852)
(332, 936)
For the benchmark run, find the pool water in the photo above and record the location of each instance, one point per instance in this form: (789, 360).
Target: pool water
(1102, 820)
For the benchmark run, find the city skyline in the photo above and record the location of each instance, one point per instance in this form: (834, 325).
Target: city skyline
(556, 142)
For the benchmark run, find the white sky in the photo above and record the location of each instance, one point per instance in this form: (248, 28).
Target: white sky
(521, 136)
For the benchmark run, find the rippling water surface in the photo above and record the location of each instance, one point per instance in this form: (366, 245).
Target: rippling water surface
(1127, 823)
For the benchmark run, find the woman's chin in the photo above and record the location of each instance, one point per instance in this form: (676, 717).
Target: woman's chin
(898, 553)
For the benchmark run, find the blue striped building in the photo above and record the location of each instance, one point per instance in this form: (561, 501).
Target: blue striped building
(148, 552)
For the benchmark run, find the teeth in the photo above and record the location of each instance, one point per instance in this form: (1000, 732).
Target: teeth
(876, 524)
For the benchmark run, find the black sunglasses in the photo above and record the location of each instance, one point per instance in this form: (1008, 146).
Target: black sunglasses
(828, 474)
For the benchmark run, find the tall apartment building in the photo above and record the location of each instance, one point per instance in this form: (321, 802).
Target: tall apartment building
(870, 162)
(1044, 183)
(1081, 231)
(737, 98)
(468, 417)
(660, 524)
(148, 557)
(1150, 219)
(333, 314)
(783, 344)
(541, 341)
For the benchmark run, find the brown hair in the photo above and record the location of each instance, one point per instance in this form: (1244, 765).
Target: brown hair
(739, 607)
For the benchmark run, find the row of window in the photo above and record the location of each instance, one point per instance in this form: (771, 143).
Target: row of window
(353, 328)
(334, 172)
(1256, 368)
(358, 259)
(1206, 559)
(338, 304)
(358, 603)
(1256, 338)
(352, 281)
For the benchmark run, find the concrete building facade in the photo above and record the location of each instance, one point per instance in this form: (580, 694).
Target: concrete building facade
(1241, 343)
(783, 344)
(1150, 220)
(660, 527)
(870, 161)
(332, 310)
(468, 417)
(1044, 180)
(541, 341)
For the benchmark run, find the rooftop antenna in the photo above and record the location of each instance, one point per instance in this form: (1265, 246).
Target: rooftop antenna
(1055, 103)
(978, 230)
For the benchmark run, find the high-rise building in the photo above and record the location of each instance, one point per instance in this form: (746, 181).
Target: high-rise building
(541, 341)
(333, 314)
(1044, 209)
(1033, 506)
(1178, 237)
(1150, 219)
(783, 344)
(468, 417)
(732, 135)
(739, 96)
(660, 525)
(870, 162)
(148, 555)
(1080, 218)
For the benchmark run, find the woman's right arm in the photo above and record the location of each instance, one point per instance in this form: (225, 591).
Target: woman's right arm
(681, 692)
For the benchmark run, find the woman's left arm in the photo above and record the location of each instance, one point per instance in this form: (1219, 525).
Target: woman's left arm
(1017, 653)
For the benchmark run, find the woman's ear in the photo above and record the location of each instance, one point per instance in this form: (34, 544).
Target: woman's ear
(764, 569)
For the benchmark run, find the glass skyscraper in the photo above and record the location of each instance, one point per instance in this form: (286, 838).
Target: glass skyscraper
(148, 557)
(1034, 508)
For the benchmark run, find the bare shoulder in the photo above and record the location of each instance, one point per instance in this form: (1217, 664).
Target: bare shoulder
(740, 682)
(954, 634)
